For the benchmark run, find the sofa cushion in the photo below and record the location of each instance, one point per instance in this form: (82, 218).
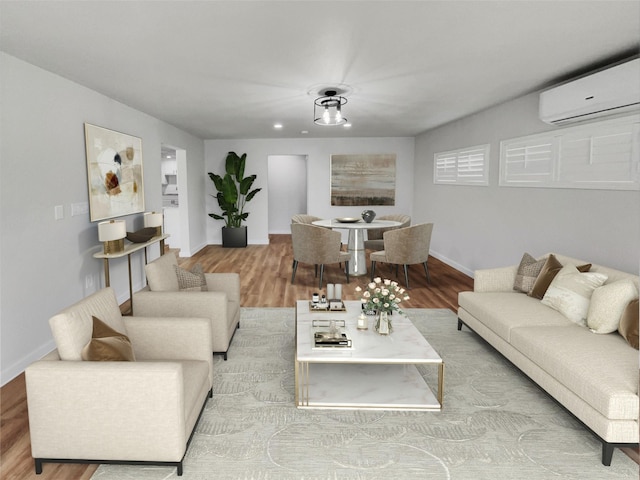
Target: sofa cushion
(608, 302)
(549, 270)
(191, 281)
(528, 271)
(161, 274)
(629, 324)
(570, 293)
(582, 362)
(107, 345)
(504, 311)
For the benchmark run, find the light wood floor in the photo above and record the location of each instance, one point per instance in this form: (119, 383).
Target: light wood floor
(265, 272)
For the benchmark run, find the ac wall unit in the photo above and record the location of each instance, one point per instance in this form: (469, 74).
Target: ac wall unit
(607, 92)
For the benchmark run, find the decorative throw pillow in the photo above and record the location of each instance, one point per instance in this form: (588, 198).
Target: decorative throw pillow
(193, 280)
(161, 275)
(528, 271)
(629, 323)
(608, 302)
(570, 292)
(550, 269)
(107, 345)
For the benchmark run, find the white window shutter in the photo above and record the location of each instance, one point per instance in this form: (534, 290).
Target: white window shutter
(601, 155)
(466, 166)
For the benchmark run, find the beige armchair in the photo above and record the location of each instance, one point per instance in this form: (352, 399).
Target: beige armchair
(374, 239)
(317, 246)
(405, 246)
(220, 302)
(142, 411)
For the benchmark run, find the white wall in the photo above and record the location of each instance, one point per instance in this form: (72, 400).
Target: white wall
(45, 264)
(318, 152)
(480, 227)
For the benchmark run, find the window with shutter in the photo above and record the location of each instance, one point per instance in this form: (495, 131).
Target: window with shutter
(601, 155)
(465, 166)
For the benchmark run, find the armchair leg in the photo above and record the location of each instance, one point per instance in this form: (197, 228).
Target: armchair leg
(321, 274)
(38, 464)
(406, 275)
(346, 269)
(295, 267)
(373, 269)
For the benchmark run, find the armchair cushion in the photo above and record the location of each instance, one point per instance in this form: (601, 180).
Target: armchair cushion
(107, 345)
(161, 274)
(72, 327)
(191, 281)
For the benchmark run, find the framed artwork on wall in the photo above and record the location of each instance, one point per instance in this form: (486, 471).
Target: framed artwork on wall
(114, 170)
(363, 180)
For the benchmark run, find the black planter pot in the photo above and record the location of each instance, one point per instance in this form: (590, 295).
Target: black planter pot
(235, 237)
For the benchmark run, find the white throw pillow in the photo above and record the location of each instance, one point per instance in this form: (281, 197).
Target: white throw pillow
(607, 304)
(570, 293)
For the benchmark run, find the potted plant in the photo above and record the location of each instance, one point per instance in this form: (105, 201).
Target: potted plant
(234, 191)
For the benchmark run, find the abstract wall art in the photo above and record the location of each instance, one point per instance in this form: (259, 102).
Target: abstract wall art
(363, 180)
(114, 169)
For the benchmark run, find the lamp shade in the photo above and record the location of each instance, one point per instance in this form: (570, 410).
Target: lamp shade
(112, 230)
(152, 219)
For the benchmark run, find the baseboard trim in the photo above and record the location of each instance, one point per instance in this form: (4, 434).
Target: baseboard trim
(453, 264)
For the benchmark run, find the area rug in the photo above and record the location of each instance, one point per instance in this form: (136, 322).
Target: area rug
(495, 424)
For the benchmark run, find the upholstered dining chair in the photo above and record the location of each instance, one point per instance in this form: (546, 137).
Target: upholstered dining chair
(405, 246)
(308, 219)
(304, 218)
(317, 246)
(374, 239)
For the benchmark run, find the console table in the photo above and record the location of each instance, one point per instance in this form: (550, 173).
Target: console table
(128, 250)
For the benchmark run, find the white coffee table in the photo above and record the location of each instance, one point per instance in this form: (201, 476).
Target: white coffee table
(377, 372)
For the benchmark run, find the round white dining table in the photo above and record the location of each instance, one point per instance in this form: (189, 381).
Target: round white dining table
(355, 245)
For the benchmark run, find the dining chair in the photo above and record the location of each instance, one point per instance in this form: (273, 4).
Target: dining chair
(317, 246)
(405, 246)
(374, 239)
(308, 219)
(304, 218)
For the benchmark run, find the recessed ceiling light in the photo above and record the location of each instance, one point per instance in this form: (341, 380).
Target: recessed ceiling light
(277, 125)
(304, 132)
(347, 125)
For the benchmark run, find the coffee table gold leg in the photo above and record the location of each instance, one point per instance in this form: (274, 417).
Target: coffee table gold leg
(302, 383)
(440, 383)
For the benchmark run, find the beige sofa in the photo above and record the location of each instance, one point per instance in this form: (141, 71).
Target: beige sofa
(594, 376)
(142, 411)
(165, 296)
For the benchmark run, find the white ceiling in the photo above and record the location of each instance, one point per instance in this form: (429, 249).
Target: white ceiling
(231, 69)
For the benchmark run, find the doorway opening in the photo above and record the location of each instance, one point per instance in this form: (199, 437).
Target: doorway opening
(174, 198)
(287, 187)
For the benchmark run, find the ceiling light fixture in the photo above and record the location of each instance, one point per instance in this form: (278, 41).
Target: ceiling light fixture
(327, 110)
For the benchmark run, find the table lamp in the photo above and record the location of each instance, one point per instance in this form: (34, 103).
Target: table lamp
(112, 233)
(153, 219)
